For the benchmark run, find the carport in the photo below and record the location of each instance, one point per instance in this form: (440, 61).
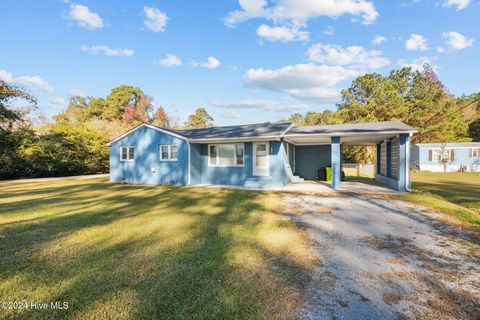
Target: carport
(308, 146)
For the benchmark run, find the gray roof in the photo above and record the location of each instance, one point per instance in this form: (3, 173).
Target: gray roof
(353, 128)
(450, 145)
(266, 129)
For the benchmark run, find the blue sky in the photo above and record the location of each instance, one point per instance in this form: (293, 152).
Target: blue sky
(245, 61)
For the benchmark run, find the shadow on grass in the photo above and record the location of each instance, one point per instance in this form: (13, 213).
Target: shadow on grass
(138, 252)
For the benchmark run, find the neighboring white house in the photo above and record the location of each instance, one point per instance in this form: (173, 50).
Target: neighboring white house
(435, 157)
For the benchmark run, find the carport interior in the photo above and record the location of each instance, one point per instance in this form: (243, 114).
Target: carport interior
(309, 152)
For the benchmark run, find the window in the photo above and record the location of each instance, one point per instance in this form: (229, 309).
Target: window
(226, 155)
(168, 152)
(440, 155)
(127, 153)
(474, 153)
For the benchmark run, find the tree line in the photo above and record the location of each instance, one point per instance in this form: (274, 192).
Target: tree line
(416, 98)
(75, 142)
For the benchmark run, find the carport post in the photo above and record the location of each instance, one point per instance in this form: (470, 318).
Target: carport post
(336, 162)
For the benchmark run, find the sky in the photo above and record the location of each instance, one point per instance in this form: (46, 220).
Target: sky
(245, 61)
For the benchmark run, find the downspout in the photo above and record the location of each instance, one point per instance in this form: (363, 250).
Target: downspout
(407, 164)
(189, 182)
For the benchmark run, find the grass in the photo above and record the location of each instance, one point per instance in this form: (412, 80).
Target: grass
(456, 194)
(138, 252)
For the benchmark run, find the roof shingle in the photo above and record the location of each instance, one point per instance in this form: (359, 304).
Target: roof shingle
(267, 129)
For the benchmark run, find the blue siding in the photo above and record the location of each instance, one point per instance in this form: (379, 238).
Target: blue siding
(147, 167)
(399, 183)
(308, 159)
(461, 157)
(240, 176)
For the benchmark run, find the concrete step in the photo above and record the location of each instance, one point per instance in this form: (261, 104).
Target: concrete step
(297, 179)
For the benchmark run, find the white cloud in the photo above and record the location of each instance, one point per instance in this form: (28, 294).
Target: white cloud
(302, 81)
(301, 11)
(417, 64)
(26, 81)
(459, 4)
(58, 101)
(267, 105)
(170, 60)
(329, 31)
(440, 49)
(77, 92)
(229, 115)
(212, 63)
(378, 40)
(111, 52)
(282, 33)
(84, 17)
(354, 56)
(416, 42)
(457, 41)
(155, 19)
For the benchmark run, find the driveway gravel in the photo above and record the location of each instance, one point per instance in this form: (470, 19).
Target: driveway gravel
(383, 258)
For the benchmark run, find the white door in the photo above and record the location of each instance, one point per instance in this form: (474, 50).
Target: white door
(260, 159)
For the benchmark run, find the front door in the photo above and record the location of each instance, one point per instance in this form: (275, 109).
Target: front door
(260, 159)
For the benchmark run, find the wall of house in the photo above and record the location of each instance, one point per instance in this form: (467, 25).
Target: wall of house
(462, 158)
(202, 173)
(308, 159)
(147, 168)
(392, 157)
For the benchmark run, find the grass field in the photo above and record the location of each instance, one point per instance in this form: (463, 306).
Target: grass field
(456, 194)
(138, 252)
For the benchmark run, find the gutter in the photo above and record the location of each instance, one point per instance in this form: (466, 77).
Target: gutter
(343, 134)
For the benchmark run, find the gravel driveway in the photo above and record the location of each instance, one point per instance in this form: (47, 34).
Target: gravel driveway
(385, 259)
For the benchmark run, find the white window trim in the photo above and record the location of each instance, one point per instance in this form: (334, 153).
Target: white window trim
(474, 153)
(169, 152)
(128, 153)
(234, 156)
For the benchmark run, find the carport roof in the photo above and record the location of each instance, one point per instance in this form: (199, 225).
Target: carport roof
(352, 128)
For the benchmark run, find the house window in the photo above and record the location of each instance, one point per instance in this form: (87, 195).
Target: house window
(168, 152)
(442, 155)
(226, 155)
(474, 153)
(127, 153)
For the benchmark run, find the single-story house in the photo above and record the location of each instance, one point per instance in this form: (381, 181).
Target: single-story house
(436, 157)
(263, 155)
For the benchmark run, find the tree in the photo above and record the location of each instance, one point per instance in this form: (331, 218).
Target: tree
(474, 130)
(135, 114)
(8, 114)
(67, 149)
(415, 98)
(119, 99)
(200, 119)
(161, 118)
(297, 118)
(445, 156)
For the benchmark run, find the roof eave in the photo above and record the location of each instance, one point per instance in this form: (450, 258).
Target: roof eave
(237, 139)
(343, 134)
(148, 126)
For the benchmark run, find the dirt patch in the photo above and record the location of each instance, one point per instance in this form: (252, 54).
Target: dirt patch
(383, 258)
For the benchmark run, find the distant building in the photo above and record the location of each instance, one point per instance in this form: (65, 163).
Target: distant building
(459, 156)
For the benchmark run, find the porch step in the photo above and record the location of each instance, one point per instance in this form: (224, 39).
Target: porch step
(297, 179)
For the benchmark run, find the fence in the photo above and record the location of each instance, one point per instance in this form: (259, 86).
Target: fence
(359, 170)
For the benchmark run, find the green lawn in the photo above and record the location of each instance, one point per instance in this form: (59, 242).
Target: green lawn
(456, 194)
(138, 252)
